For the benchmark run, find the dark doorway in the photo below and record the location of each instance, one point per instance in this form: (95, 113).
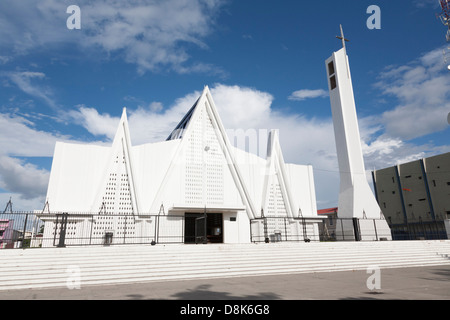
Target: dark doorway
(199, 228)
(214, 228)
(189, 227)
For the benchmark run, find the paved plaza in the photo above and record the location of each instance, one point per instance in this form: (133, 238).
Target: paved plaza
(415, 283)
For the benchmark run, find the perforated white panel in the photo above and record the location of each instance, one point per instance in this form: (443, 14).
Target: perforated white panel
(276, 207)
(215, 161)
(194, 163)
(116, 200)
(204, 164)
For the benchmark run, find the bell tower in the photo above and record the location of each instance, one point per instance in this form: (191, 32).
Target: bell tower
(362, 216)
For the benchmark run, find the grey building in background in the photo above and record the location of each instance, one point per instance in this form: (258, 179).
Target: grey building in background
(415, 198)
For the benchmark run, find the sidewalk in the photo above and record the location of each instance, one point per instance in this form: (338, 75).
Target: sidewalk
(422, 283)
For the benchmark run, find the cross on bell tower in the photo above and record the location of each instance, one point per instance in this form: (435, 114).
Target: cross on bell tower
(342, 37)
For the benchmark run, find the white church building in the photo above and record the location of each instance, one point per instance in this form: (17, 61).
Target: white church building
(195, 186)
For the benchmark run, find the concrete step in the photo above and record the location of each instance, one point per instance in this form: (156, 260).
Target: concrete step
(121, 264)
(123, 251)
(201, 274)
(133, 271)
(39, 268)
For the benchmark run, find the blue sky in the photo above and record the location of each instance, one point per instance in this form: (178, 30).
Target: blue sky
(263, 60)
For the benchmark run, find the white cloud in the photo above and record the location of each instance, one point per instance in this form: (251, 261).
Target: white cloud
(421, 89)
(426, 3)
(304, 94)
(242, 107)
(95, 123)
(19, 203)
(19, 138)
(23, 178)
(23, 80)
(150, 34)
(4, 59)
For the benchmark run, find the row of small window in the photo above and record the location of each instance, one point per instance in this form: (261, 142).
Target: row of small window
(434, 185)
(420, 178)
(98, 226)
(117, 233)
(410, 204)
(109, 218)
(212, 193)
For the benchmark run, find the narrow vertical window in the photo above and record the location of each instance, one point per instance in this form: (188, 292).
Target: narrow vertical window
(331, 74)
(333, 82)
(331, 68)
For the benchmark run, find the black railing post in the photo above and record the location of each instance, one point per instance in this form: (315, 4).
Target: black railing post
(24, 230)
(356, 229)
(90, 234)
(56, 227)
(157, 234)
(62, 232)
(375, 228)
(266, 234)
(285, 229)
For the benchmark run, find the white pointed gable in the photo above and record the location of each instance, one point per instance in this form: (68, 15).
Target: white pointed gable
(277, 197)
(205, 164)
(117, 191)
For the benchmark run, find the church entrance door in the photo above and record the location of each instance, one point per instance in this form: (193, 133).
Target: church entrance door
(201, 228)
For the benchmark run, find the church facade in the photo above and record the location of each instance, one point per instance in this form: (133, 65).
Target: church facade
(195, 185)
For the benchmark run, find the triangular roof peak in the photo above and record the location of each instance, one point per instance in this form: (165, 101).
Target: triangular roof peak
(276, 169)
(204, 108)
(179, 130)
(121, 149)
(122, 129)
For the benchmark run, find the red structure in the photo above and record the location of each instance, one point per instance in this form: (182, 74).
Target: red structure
(445, 15)
(6, 233)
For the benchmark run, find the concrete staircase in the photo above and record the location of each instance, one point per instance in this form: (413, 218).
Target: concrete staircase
(58, 267)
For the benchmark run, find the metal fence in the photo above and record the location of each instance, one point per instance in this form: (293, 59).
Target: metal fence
(277, 229)
(422, 230)
(281, 229)
(34, 230)
(20, 230)
(66, 229)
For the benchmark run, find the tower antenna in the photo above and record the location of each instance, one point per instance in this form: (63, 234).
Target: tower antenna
(444, 15)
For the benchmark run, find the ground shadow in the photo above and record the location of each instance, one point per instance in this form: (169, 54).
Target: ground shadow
(369, 295)
(204, 292)
(440, 274)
